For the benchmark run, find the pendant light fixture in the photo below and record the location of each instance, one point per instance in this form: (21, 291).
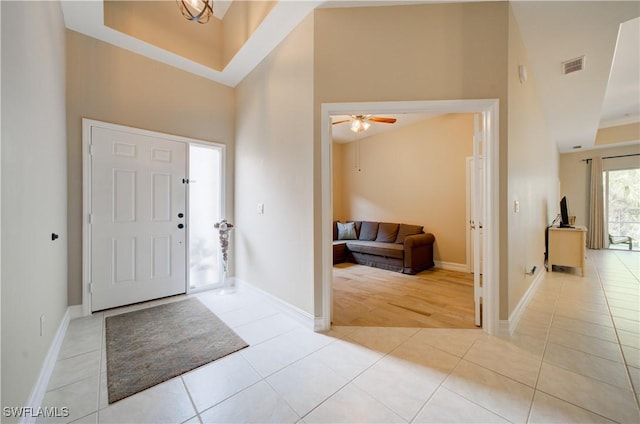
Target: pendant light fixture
(199, 11)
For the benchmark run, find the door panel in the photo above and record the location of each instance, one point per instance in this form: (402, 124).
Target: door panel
(477, 216)
(138, 252)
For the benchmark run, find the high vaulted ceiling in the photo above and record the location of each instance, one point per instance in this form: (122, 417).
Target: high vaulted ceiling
(554, 32)
(575, 105)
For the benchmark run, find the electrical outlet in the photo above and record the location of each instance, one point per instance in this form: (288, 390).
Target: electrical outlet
(260, 208)
(516, 206)
(42, 325)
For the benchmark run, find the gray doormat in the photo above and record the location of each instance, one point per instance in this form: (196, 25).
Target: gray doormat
(149, 346)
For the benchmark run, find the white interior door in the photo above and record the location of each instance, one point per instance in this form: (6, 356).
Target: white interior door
(475, 196)
(477, 216)
(137, 218)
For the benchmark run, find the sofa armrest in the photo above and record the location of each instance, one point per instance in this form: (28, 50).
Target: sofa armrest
(418, 240)
(418, 253)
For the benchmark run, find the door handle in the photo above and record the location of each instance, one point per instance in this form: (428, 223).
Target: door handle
(181, 226)
(180, 215)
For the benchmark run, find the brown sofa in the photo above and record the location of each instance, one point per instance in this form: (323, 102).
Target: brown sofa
(395, 247)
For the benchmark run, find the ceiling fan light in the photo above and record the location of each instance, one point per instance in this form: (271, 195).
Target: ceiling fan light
(199, 11)
(359, 125)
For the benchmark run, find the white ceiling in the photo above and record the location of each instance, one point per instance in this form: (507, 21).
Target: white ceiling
(622, 99)
(554, 32)
(575, 105)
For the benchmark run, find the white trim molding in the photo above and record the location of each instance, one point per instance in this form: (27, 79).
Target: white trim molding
(507, 327)
(489, 110)
(40, 388)
(304, 318)
(451, 266)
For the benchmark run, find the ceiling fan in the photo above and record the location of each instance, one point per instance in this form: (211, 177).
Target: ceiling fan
(360, 123)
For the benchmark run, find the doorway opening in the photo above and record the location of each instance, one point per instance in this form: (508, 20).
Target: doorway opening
(407, 171)
(488, 113)
(622, 208)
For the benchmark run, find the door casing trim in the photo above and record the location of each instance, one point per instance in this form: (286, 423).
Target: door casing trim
(489, 109)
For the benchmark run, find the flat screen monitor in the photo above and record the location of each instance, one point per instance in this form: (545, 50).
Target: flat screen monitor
(564, 213)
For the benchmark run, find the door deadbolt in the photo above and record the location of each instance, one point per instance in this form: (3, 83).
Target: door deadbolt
(180, 215)
(180, 225)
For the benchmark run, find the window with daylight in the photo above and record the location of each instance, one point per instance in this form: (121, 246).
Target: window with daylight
(622, 208)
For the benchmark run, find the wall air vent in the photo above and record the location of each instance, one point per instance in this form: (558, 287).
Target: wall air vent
(573, 65)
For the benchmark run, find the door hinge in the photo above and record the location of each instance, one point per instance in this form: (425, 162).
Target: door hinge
(90, 218)
(90, 287)
(91, 152)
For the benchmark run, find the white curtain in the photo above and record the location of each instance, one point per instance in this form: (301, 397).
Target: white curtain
(597, 227)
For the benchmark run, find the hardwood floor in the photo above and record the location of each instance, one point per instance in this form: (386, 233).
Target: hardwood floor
(435, 298)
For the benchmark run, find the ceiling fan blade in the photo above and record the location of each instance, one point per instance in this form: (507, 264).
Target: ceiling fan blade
(340, 122)
(383, 120)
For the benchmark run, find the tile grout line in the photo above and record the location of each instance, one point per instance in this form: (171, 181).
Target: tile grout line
(553, 315)
(103, 345)
(193, 404)
(544, 349)
(542, 363)
(615, 328)
(441, 384)
(350, 381)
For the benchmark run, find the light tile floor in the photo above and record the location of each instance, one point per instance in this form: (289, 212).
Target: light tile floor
(574, 357)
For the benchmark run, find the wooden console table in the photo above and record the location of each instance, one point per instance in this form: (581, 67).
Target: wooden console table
(568, 247)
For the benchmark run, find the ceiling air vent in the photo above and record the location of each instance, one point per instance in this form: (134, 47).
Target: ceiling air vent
(573, 65)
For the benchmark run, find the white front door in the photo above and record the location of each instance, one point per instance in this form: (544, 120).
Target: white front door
(137, 218)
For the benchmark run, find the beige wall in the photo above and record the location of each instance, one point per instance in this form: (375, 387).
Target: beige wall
(419, 52)
(114, 85)
(414, 174)
(574, 177)
(532, 174)
(34, 191)
(160, 23)
(240, 21)
(618, 134)
(274, 150)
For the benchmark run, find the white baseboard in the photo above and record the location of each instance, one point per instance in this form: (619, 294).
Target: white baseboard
(451, 266)
(75, 311)
(303, 317)
(503, 328)
(509, 326)
(40, 388)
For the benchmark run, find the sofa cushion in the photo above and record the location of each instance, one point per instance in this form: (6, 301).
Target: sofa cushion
(387, 232)
(358, 225)
(368, 231)
(390, 250)
(408, 230)
(346, 231)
